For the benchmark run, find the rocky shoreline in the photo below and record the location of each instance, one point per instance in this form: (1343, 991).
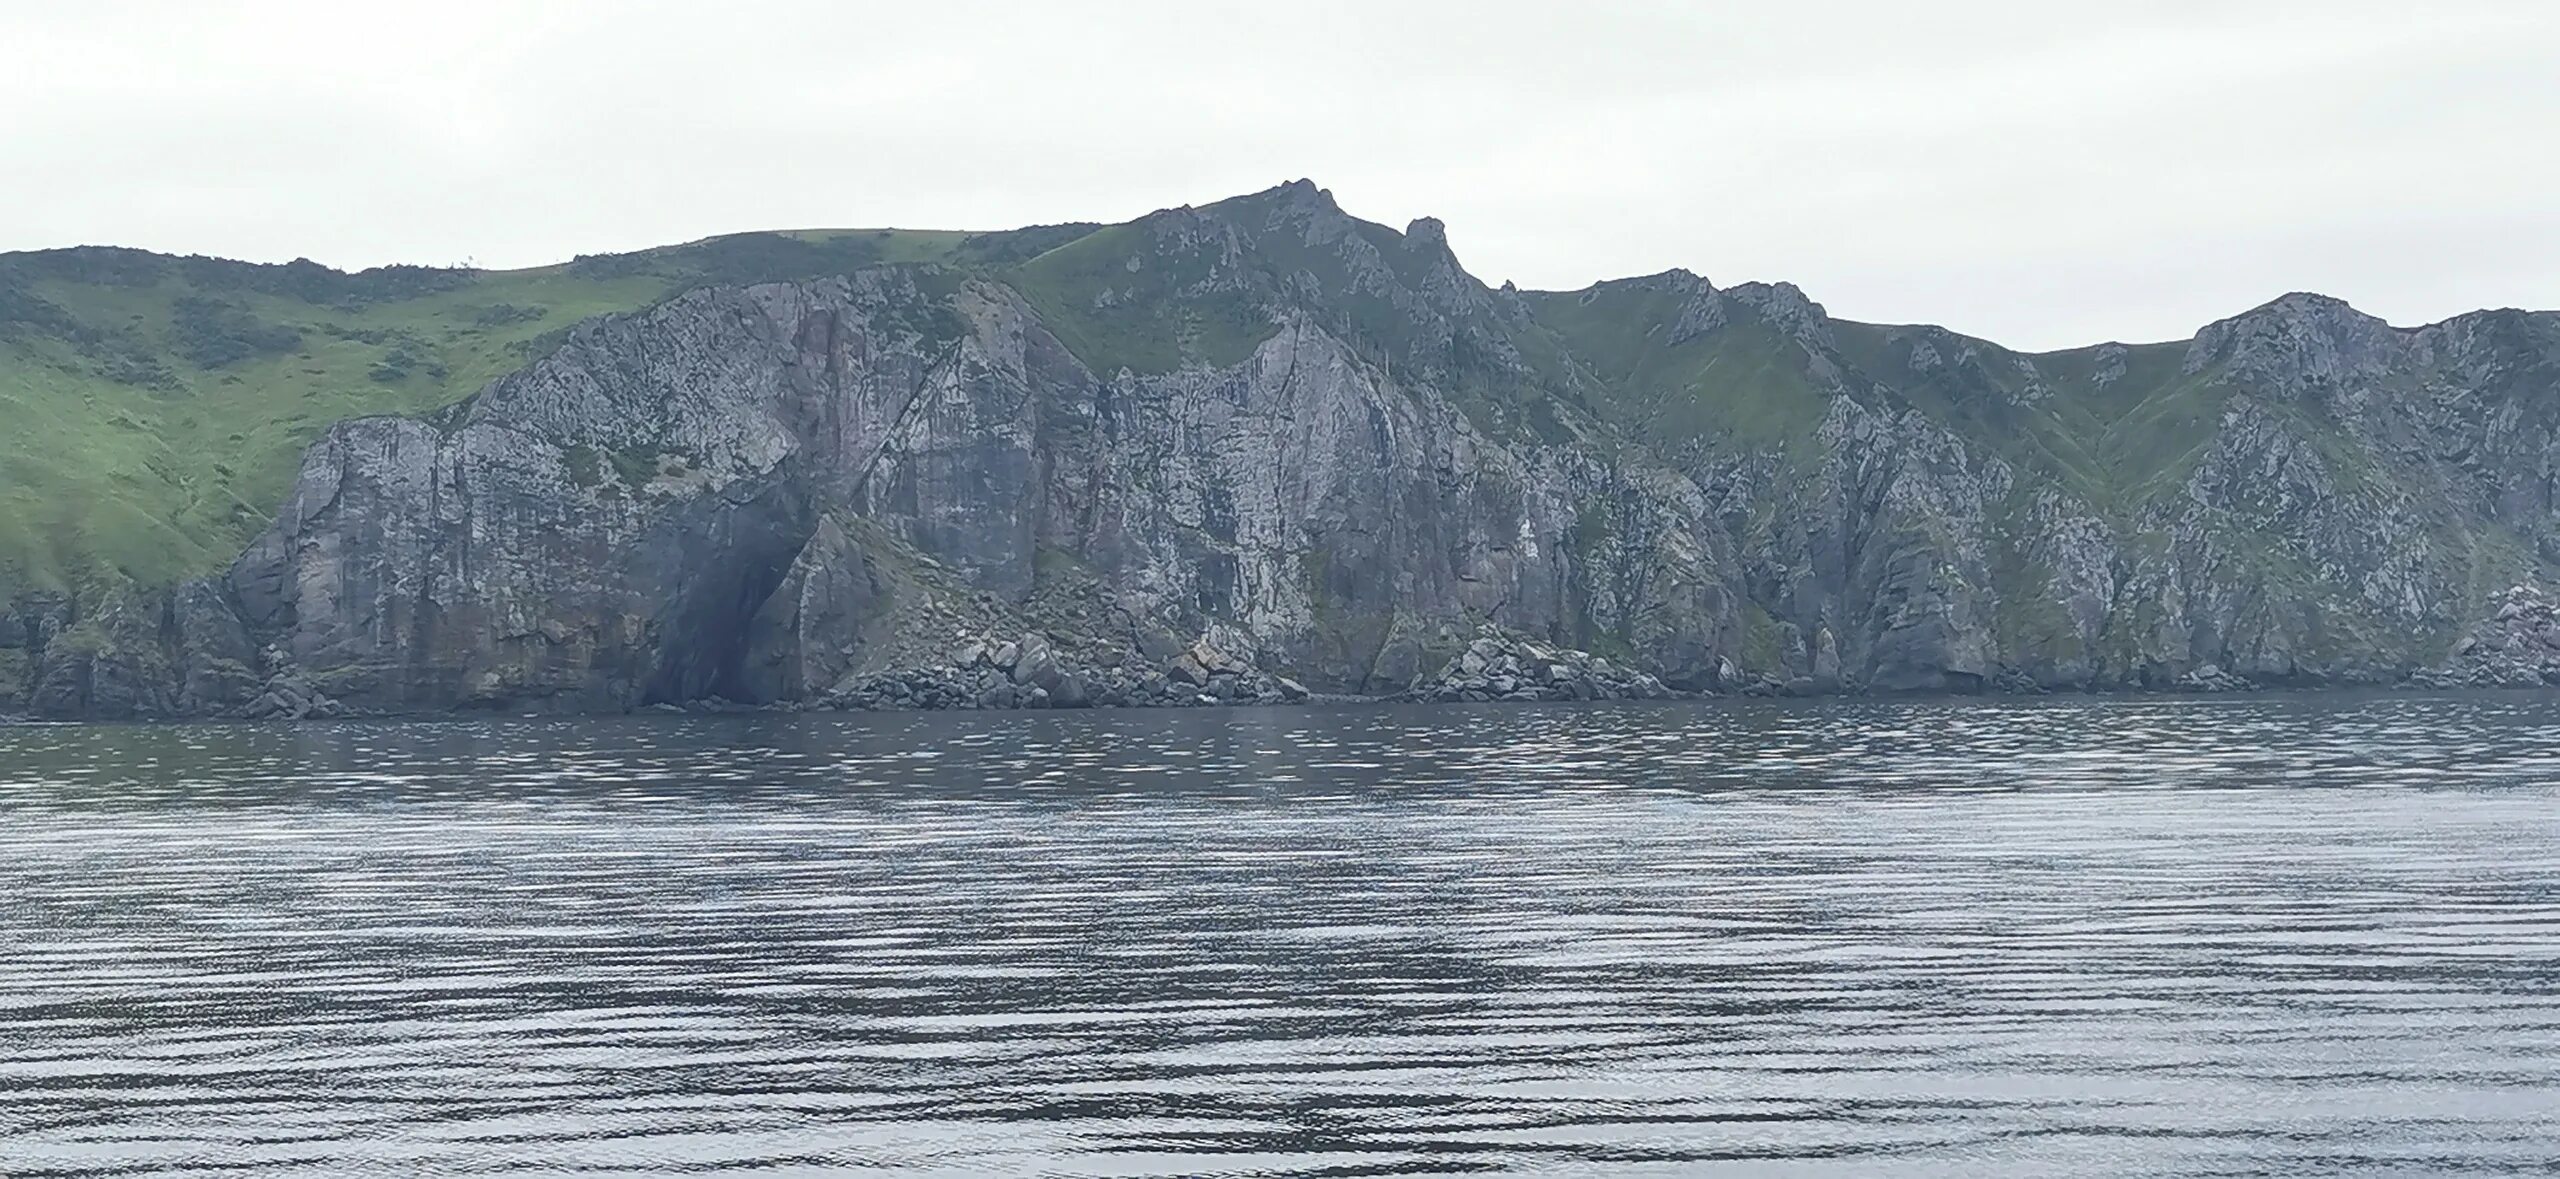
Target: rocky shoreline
(2519, 648)
(1036, 671)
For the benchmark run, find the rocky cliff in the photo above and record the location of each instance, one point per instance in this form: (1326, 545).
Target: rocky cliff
(1262, 449)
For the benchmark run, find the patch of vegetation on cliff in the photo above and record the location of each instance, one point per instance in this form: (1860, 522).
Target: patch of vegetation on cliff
(2285, 587)
(637, 465)
(211, 333)
(1992, 397)
(1592, 530)
(15, 668)
(585, 466)
(2030, 626)
(928, 315)
(2496, 558)
(1150, 302)
(152, 438)
(2150, 425)
(1742, 383)
(1764, 641)
(2033, 631)
(158, 406)
(2125, 655)
(1508, 379)
(1207, 286)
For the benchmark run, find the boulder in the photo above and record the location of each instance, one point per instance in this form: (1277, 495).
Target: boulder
(1035, 663)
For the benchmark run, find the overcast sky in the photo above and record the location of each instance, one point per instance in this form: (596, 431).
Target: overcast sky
(2047, 174)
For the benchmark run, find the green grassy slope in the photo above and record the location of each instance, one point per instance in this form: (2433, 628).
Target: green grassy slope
(1745, 383)
(155, 407)
(2118, 426)
(141, 453)
(1121, 298)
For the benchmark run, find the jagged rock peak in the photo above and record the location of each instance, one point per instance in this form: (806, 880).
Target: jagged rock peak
(2306, 307)
(2303, 335)
(1786, 308)
(1678, 280)
(1427, 239)
(1701, 307)
(1296, 201)
(1298, 209)
(1779, 300)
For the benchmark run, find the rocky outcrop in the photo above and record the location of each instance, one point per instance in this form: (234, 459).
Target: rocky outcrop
(288, 695)
(1261, 451)
(1039, 671)
(126, 654)
(2516, 646)
(1498, 666)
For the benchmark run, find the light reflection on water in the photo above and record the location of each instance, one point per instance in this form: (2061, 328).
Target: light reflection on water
(2169, 937)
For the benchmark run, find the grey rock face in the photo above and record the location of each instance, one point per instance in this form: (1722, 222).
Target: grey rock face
(754, 494)
(832, 605)
(903, 488)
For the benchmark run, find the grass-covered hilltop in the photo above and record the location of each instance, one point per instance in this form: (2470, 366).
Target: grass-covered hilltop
(1235, 451)
(158, 405)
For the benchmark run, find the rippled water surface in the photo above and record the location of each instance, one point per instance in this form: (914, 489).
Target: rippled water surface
(2268, 936)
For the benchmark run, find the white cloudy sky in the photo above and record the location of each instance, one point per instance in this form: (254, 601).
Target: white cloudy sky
(2047, 173)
